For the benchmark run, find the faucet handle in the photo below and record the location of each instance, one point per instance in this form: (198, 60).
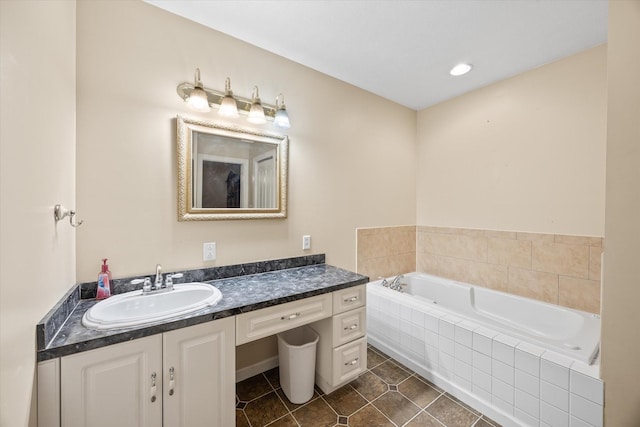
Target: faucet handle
(146, 287)
(168, 282)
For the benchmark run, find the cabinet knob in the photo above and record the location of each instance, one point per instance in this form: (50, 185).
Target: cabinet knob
(351, 328)
(352, 299)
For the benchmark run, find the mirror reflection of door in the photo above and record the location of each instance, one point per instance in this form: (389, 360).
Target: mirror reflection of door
(265, 180)
(221, 182)
(218, 192)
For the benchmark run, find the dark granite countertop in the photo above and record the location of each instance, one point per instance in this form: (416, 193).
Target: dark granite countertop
(240, 294)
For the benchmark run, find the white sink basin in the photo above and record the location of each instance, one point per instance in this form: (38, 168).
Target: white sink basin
(134, 309)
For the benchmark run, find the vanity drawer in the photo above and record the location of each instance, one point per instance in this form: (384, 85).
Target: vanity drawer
(271, 320)
(349, 326)
(349, 361)
(348, 299)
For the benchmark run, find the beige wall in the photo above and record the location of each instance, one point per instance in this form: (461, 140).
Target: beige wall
(37, 155)
(621, 280)
(351, 153)
(524, 154)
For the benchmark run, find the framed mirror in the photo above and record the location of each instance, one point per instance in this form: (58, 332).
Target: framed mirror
(227, 172)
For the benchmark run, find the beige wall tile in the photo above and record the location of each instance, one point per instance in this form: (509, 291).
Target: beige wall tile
(569, 260)
(441, 230)
(402, 242)
(374, 245)
(572, 240)
(596, 241)
(536, 237)
(475, 273)
(580, 294)
(533, 284)
(509, 252)
(501, 234)
(454, 245)
(595, 263)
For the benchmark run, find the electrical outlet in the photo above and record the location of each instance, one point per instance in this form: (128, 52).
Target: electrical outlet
(306, 242)
(209, 251)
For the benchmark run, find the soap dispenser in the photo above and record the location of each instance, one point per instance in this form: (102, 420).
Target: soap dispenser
(104, 286)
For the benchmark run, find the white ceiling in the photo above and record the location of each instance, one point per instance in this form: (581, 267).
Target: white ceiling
(403, 50)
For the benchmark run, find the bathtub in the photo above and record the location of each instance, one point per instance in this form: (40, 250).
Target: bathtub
(504, 354)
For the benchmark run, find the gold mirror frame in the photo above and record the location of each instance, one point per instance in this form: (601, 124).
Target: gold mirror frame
(186, 210)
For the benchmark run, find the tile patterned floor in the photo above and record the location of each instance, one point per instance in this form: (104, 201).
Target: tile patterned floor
(387, 394)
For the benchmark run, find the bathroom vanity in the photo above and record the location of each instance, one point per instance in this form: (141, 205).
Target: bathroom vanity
(182, 372)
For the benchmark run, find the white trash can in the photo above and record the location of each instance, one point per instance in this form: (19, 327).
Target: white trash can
(297, 356)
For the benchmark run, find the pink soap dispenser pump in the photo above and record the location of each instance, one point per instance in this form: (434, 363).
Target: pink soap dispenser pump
(104, 289)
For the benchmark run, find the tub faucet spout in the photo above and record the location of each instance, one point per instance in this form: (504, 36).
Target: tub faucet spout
(395, 283)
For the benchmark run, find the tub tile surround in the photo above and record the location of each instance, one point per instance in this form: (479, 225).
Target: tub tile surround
(554, 268)
(264, 284)
(386, 251)
(514, 382)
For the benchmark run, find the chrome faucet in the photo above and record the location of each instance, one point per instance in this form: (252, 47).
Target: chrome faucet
(158, 281)
(395, 283)
(158, 285)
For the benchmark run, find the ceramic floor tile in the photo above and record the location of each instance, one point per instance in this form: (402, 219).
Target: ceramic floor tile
(464, 405)
(286, 421)
(370, 386)
(450, 413)
(391, 373)
(418, 392)
(294, 406)
(241, 419)
(265, 409)
(316, 414)
(486, 422)
(273, 376)
(396, 407)
(374, 358)
(252, 388)
(369, 416)
(345, 400)
(423, 420)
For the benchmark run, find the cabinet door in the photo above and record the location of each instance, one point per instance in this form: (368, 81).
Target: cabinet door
(113, 386)
(199, 375)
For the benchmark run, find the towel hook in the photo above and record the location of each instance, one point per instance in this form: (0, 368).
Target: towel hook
(60, 213)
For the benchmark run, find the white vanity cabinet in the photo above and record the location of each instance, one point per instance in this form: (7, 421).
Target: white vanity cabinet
(181, 378)
(342, 349)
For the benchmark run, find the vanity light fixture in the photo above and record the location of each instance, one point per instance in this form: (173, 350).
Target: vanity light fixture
(460, 69)
(200, 98)
(282, 118)
(228, 105)
(256, 113)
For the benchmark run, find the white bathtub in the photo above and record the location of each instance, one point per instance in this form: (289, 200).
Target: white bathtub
(505, 354)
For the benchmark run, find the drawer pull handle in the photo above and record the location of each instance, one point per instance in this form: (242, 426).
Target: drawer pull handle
(172, 381)
(153, 387)
(352, 299)
(290, 317)
(353, 362)
(352, 327)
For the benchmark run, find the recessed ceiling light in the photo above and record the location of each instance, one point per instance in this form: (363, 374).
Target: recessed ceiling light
(460, 69)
